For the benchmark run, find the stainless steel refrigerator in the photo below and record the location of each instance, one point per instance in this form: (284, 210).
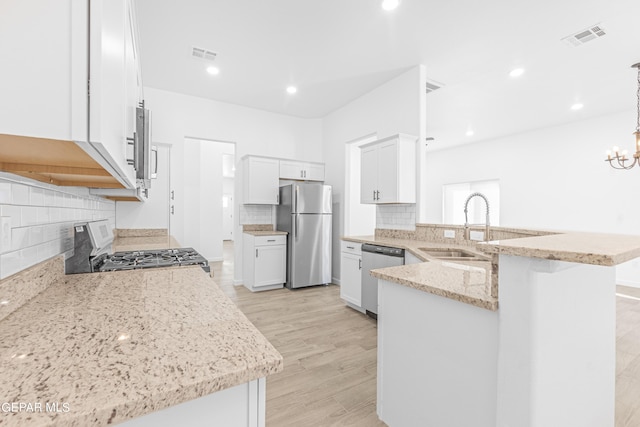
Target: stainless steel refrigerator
(305, 213)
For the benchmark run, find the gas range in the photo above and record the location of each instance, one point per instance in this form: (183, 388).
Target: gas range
(92, 246)
(149, 259)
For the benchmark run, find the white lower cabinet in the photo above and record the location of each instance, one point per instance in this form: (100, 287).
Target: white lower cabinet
(264, 261)
(239, 406)
(350, 274)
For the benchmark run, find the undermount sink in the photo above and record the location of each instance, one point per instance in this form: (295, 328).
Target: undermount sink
(453, 254)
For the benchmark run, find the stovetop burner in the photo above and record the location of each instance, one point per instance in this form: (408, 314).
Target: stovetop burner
(151, 258)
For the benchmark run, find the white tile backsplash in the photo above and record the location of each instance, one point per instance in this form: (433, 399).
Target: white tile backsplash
(42, 217)
(396, 217)
(256, 214)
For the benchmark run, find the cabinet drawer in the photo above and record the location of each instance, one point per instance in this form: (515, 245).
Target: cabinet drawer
(351, 247)
(280, 239)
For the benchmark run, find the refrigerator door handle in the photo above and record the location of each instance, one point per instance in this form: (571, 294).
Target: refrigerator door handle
(295, 230)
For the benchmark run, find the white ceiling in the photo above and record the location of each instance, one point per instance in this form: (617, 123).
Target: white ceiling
(335, 50)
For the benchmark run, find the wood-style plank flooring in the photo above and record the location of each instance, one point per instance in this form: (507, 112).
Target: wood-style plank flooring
(329, 353)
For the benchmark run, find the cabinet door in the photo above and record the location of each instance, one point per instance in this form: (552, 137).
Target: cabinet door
(262, 179)
(388, 172)
(350, 279)
(41, 77)
(291, 170)
(270, 265)
(107, 110)
(314, 172)
(368, 174)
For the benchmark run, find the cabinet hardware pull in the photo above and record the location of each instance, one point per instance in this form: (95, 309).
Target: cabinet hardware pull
(377, 195)
(271, 240)
(172, 194)
(300, 174)
(360, 264)
(374, 194)
(277, 199)
(350, 247)
(305, 174)
(256, 253)
(172, 210)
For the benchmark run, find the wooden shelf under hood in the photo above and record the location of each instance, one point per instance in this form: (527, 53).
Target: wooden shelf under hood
(53, 161)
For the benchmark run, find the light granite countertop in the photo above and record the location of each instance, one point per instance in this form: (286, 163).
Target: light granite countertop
(465, 281)
(118, 345)
(578, 247)
(462, 280)
(259, 233)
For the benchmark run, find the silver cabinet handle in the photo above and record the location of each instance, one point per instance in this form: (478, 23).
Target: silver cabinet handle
(360, 264)
(374, 194)
(305, 174)
(256, 253)
(277, 199)
(350, 247)
(154, 150)
(172, 210)
(271, 240)
(377, 195)
(173, 195)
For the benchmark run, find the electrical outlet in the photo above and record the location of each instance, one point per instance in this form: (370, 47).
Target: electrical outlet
(476, 235)
(450, 234)
(5, 233)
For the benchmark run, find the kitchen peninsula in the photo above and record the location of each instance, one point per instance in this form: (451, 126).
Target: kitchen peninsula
(543, 354)
(108, 347)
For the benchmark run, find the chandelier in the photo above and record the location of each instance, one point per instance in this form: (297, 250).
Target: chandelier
(618, 159)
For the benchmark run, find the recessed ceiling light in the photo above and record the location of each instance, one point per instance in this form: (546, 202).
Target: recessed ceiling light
(292, 90)
(516, 72)
(469, 133)
(213, 70)
(577, 106)
(390, 4)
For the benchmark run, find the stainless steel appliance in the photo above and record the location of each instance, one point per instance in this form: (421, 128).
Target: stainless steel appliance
(92, 246)
(373, 257)
(305, 213)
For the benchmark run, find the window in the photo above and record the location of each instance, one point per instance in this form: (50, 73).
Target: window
(454, 196)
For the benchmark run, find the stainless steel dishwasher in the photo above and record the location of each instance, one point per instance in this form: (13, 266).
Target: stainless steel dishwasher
(373, 257)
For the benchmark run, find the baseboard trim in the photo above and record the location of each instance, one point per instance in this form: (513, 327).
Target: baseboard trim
(630, 283)
(238, 282)
(216, 259)
(335, 281)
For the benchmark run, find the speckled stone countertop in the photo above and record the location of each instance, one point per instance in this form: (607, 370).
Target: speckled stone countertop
(144, 243)
(465, 281)
(581, 248)
(266, 233)
(118, 345)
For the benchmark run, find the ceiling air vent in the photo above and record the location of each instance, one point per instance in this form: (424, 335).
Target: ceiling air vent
(585, 36)
(431, 86)
(200, 53)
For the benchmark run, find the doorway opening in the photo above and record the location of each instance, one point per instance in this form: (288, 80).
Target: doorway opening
(359, 219)
(208, 195)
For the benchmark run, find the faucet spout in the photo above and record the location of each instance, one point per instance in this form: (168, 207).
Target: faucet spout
(467, 231)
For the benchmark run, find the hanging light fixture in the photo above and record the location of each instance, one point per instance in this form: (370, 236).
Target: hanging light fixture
(617, 159)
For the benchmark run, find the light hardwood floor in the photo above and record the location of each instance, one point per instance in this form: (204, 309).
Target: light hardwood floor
(329, 353)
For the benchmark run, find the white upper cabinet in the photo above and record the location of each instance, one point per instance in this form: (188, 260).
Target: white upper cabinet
(302, 171)
(71, 76)
(388, 170)
(260, 180)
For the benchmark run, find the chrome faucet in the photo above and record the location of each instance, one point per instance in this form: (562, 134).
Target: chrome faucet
(467, 231)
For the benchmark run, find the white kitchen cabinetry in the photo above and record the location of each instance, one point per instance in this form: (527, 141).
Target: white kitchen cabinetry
(350, 274)
(261, 180)
(82, 96)
(305, 171)
(264, 261)
(239, 406)
(388, 170)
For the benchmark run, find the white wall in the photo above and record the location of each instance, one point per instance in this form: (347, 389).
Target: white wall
(394, 107)
(154, 212)
(176, 116)
(552, 178)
